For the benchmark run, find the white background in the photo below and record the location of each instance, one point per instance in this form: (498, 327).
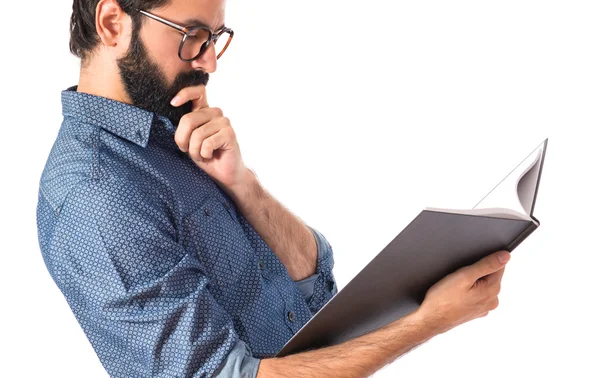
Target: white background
(356, 116)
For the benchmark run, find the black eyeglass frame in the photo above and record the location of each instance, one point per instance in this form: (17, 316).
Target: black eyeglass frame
(186, 32)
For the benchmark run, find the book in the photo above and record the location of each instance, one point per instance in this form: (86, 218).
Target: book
(435, 243)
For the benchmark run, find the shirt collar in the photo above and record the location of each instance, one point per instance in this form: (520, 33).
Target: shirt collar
(125, 120)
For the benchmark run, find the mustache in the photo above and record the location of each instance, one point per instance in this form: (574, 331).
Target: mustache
(182, 80)
(189, 79)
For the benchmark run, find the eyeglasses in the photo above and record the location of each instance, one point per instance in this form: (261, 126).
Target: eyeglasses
(196, 39)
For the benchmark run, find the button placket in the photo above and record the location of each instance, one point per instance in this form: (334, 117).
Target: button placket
(228, 208)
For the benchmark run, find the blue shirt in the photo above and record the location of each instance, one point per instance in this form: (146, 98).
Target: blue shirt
(164, 275)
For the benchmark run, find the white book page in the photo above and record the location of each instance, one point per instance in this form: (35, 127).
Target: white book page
(512, 198)
(489, 212)
(509, 193)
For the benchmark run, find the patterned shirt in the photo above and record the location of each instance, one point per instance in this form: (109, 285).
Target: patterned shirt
(164, 275)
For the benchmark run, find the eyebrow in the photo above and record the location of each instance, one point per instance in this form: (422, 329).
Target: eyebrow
(195, 22)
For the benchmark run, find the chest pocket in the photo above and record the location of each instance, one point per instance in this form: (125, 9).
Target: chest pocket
(221, 246)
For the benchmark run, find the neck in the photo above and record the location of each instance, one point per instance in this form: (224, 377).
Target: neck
(101, 77)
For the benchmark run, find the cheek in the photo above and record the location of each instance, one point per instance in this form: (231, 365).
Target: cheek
(172, 67)
(162, 48)
(168, 61)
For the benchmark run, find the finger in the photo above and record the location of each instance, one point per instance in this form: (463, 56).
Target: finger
(488, 265)
(495, 277)
(190, 122)
(214, 143)
(491, 283)
(199, 137)
(195, 94)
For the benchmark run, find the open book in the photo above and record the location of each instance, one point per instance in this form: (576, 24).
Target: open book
(436, 243)
(514, 197)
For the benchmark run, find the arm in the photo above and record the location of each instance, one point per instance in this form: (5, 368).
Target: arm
(289, 238)
(284, 233)
(359, 357)
(141, 298)
(469, 293)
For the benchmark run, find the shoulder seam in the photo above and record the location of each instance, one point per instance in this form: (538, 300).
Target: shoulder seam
(54, 207)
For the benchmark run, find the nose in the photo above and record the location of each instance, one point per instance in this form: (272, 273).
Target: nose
(207, 61)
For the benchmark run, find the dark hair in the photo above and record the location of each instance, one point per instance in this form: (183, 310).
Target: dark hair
(84, 37)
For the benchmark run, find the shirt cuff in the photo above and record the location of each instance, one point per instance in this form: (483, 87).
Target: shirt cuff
(324, 253)
(239, 363)
(324, 286)
(307, 286)
(324, 261)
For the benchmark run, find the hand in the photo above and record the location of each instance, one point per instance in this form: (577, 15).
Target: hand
(468, 293)
(209, 139)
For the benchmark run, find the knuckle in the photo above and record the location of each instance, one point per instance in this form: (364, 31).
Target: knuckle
(206, 150)
(179, 139)
(497, 289)
(494, 289)
(193, 149)
(494, 304)
(232, 132)
(194, 153)
(184, 121)
(465, 278)
(198, 133)
(217, 111)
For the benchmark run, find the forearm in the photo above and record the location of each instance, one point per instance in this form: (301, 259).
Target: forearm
(360, 357)
(287, 235)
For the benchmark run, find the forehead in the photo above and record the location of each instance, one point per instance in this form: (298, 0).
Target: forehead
(209, 13)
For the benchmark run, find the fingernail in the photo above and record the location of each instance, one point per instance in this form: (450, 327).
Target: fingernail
(503, 257)
(175, 100)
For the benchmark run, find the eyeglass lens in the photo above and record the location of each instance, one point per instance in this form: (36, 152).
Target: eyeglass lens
(196, 38)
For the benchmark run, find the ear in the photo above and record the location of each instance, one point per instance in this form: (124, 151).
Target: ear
(112, 24)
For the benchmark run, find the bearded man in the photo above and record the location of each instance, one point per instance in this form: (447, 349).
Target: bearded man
(175, 261)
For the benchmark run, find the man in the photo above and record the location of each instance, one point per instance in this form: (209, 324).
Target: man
(174, 259)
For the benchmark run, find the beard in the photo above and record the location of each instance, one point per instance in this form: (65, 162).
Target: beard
(147, 86)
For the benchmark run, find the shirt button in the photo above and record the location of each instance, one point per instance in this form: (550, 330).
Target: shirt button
(261, 265)
(291, 316)
(206, 211)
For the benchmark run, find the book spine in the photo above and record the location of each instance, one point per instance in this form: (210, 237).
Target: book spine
(528, 230)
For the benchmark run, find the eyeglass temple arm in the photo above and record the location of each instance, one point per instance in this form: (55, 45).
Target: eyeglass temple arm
(181, 29)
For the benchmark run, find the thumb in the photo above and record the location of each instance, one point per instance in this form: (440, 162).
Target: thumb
(488, 265)
(196, 95)
(201, 101)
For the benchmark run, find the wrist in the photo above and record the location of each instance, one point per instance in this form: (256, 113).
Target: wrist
(422, 321)
(240, 191)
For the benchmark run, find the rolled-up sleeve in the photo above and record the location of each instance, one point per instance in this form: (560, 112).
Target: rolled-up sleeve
(320, 287)
(239, 363)
(141, 298)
